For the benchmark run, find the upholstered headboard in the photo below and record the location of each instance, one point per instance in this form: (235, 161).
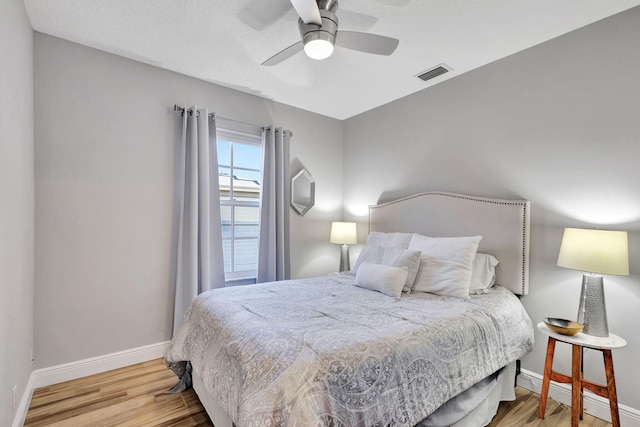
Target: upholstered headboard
(504, 225)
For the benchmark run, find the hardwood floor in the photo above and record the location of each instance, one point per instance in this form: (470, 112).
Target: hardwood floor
(523, 412)
(135, 396)
(131, 396)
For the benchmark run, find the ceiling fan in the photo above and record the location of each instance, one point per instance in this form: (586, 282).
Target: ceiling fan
(318, 26)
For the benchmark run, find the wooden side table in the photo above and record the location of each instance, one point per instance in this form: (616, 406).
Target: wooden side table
(578, 343)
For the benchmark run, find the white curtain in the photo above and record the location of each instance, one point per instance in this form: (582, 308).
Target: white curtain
(200, 263)
(273, 255)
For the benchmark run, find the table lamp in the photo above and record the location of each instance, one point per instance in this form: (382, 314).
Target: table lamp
(596, 252)
(344, 233)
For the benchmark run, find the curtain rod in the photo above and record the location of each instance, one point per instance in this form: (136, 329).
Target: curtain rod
(176, 107)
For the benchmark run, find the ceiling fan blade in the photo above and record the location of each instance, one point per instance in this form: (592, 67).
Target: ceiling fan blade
(283, 54)
(366, 42)
(307, 11)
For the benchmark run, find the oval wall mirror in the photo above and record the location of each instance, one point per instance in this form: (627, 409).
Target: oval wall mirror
(303, 192)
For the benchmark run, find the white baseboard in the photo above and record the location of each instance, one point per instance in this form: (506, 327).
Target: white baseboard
(593, 404)
(83, 368)
(99, 364)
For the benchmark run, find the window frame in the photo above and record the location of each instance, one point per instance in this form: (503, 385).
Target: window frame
(252, 137)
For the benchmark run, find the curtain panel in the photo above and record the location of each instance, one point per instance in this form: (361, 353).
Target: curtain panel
(200, 262)
(274, 252)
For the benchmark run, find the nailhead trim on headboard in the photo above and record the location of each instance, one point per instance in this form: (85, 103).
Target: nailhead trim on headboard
(524, 204)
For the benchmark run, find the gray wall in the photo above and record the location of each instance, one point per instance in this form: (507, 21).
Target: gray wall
(105, 140)
(16, 203)
(557, 124)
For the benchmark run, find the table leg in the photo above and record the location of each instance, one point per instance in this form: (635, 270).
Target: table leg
(581, 383)
(576, 384)
(611, 388)
(548, 365)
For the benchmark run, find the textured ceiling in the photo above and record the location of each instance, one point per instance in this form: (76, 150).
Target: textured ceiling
(224, 41)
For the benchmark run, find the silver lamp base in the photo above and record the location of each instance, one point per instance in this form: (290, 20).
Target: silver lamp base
(592, 312)
(344, 259)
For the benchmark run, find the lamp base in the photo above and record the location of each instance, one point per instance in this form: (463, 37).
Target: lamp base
(592, 312)
(344, 259)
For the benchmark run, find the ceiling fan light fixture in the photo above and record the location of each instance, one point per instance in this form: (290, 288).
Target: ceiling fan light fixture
(318, 45)
(319, 36)
(318, 49)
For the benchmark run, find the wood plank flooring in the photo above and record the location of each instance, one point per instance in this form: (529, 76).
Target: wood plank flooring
(523, 412)
(135, 396)
(131, 396)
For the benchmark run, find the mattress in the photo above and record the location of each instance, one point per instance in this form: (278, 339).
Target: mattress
(321, 351)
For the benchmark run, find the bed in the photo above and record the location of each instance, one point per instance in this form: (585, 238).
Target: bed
(330, 351)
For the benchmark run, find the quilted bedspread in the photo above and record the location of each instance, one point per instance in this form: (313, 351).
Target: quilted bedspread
(323, 352)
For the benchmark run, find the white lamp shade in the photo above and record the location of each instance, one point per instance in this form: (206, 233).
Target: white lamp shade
(595, 251)
(343, 233)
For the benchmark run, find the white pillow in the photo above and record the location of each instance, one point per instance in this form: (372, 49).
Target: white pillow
(397, 257)
(483, 273)
(394, 257)
(445, 264)
(370, 253)
(376, 240)
(382, 278)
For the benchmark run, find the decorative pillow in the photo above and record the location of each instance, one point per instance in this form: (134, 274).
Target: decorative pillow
(397, 257)
(376, 240)
(382, 278)
(445, 264)
(483, 273)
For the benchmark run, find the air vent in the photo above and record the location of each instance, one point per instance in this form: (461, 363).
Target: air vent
(434, 72)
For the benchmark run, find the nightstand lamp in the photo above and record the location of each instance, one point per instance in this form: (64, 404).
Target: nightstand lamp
(344, 233)
(597, 252)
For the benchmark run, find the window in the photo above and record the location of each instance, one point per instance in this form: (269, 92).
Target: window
(240, 175)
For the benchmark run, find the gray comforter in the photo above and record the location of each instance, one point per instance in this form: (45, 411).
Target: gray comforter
(322, 352)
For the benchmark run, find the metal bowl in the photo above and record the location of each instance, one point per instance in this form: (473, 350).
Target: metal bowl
(563, 326)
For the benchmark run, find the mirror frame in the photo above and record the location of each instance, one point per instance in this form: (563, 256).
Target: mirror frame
(301, 208)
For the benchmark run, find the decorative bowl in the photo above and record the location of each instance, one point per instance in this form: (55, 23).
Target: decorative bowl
(563, 326)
